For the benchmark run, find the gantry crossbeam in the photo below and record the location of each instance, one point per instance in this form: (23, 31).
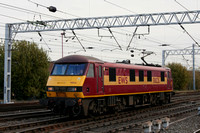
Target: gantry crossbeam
(186, 17)
(181, 52)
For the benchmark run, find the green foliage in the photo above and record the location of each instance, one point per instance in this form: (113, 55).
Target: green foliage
(29, 70)
(180, 76)
(197, 80)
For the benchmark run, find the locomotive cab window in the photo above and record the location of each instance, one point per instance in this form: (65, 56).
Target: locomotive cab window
(59, 69)
(75, 69)
(132, 75)
(141, 75)
(112, 74)
(68, 69)
(149, 76)
(91, 71)
(162, 74)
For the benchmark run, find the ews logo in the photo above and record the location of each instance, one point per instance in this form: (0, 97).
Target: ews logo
(122, 80)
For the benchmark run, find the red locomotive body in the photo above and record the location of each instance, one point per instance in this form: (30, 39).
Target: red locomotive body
(85, 84)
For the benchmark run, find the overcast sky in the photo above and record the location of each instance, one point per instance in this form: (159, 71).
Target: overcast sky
(105, 48)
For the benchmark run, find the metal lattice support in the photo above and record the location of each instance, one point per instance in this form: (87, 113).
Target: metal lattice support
(181, 52)
(7, 65)
(193, 52)
(166, 53)
(187, 17)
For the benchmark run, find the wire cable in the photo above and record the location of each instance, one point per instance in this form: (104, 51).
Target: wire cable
(119, 6)
(12, 17)
(26, 10)
(56, 10)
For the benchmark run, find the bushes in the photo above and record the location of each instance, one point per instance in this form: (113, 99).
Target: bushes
(29, 70)
(182, 78)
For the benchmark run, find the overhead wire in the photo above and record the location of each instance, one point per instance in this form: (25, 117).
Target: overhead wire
(181, 5)
(56, 9)
(12, 17)
(119, 6)
(105, 43)
(31, 12)
(41, 13)
(83, 40)
(136, 13)
(36, 12)
(26, 10)
(181, 25)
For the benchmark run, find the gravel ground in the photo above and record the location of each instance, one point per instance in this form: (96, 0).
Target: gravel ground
(187, 123)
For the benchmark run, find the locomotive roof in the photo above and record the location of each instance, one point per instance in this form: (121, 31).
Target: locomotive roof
(78, 59)
(83, 59)
(133, 66)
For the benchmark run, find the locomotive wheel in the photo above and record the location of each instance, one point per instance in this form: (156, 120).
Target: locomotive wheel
(119, 106)
(154, 100)
(76, 110)
(93, 109)
(54, 109)
(167, 98)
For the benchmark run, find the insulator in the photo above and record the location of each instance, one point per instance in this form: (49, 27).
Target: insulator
(90, 47)
(52, 9)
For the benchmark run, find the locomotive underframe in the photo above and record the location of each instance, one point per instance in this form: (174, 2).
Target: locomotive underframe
(97, 106)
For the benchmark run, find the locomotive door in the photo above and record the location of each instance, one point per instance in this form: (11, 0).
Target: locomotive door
(99, 78)
(169, 80)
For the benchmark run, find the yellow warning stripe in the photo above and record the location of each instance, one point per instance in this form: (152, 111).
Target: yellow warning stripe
(126, 94)
(81, 95)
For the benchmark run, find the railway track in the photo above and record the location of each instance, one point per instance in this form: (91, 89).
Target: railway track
(123, 123)
(129, 120)
(18, 115)
(20, 106)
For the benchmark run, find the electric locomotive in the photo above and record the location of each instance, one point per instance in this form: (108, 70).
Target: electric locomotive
(82, 85)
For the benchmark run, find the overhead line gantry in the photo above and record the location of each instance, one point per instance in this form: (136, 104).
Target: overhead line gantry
(193, 52)
(170, 18)
(153, 19)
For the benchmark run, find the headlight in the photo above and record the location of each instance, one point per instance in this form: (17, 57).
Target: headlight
(50, 88)
(74, 89)
(71, 89)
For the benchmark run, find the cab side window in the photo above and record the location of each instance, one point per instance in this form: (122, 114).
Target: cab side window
(91, 71)
(162, 74)
(132, 75)
(141, 75)
(112, 74)
(149, 76)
